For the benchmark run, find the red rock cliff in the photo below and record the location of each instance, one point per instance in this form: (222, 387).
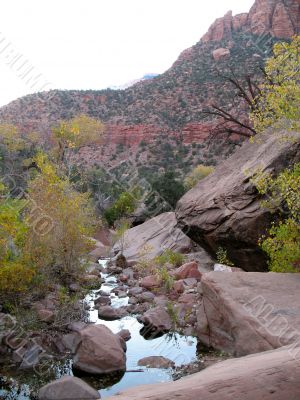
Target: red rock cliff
(280, 18)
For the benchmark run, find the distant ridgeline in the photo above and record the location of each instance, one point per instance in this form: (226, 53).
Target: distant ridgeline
(159, 116)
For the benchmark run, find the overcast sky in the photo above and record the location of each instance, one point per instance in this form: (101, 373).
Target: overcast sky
(94, 44)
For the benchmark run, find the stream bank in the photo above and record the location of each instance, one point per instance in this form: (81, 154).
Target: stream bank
(182, 350)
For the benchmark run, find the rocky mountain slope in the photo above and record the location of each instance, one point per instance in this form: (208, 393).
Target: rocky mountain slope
(169, 106)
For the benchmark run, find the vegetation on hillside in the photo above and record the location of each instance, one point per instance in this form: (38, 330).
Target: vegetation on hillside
(75, 133)
(45, 224)
(198, 173)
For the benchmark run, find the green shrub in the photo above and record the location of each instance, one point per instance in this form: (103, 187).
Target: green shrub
(123, 206)
(198, 173)
(222, 257)
(166, 278)
(283, 246)
(171, 257)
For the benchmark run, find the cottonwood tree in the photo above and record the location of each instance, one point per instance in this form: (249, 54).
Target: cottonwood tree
(278, 107)
(58, 249)
(80, 131)
(16, 273)
(278, 104)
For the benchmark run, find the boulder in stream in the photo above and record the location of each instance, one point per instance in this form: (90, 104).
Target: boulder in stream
(109, 313)
(100, 351)
(156, 319)
(68, 388)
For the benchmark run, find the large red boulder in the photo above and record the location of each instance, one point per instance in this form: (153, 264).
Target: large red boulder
(225, 209)
(100, 351)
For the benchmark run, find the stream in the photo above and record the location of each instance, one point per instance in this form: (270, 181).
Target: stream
(16, 385)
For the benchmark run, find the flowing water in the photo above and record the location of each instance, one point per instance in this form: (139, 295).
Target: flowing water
(180, 349)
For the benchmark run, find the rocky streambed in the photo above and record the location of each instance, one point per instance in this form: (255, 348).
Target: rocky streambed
(153, 355)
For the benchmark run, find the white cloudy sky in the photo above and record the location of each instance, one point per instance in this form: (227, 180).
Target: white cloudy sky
(93, 44)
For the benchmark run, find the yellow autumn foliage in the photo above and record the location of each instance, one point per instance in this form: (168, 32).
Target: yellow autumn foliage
(15, 273)
(80, 131)
(58, 247)
(198, 173)
(279, 102)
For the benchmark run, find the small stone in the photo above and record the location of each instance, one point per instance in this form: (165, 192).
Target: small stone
(125, 334)
(121, 261)
(103, 293)
(71, 341)
(135, 291)
(46, 315)
(77, 326)
(74, 287)
(102, 301)
(146, 296)
(150, 282)
(220, 53)
(133, 300)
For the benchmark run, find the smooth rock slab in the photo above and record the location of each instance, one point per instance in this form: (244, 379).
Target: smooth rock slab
(68, 388)
(156, 234)
(272, 375)
(244, 313)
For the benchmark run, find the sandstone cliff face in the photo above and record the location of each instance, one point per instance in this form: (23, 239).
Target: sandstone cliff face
(224, 209)
(280, 18)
